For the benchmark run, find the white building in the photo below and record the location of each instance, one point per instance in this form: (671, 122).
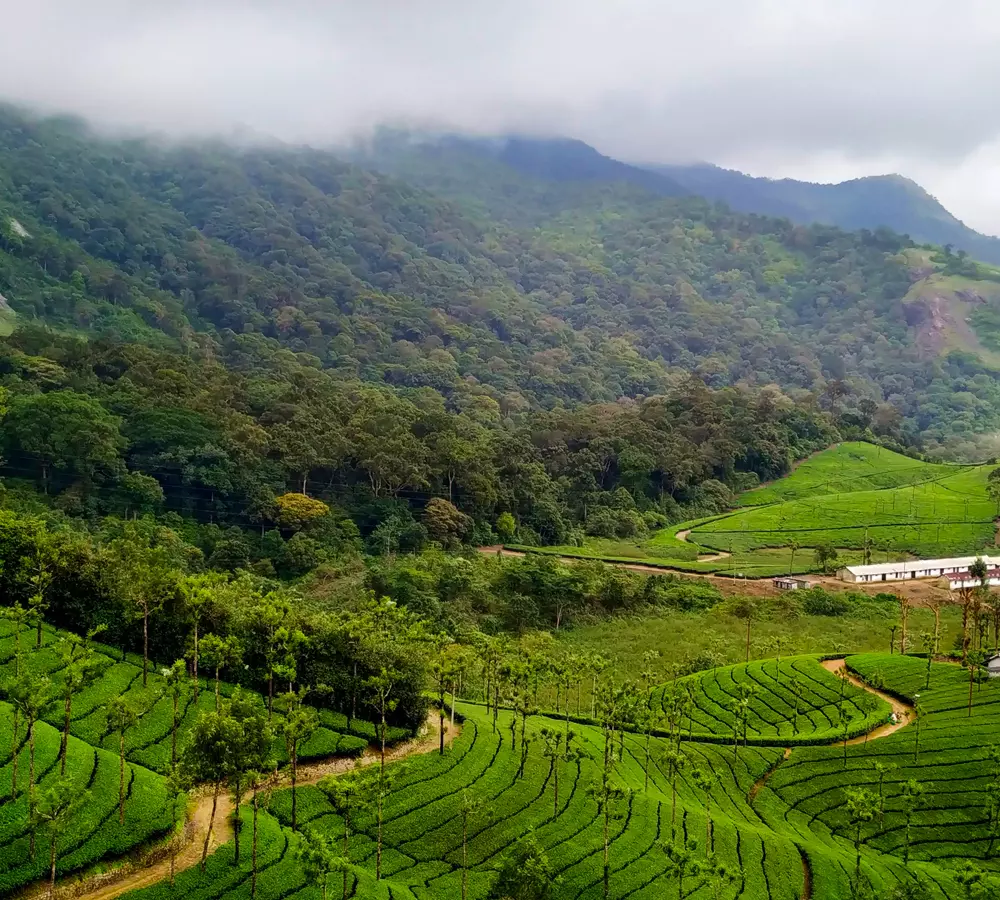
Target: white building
(958, 582)
(918, 568)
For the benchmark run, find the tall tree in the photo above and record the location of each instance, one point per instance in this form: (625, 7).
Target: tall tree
(219, 653)
(911, 799)
(80, 667)
(682, 861)
(299, 724)
(607, 794)
(174, 684)
(861, 807)
(119, 718)
(145, 577)
(319, 857)
(705, 781)
(55, 808)
(350, 795)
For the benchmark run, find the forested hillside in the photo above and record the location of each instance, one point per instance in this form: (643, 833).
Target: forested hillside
(211, 331)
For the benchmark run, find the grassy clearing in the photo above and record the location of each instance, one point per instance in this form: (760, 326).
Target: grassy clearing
(949, 516)
(847, 468)
(720, 638)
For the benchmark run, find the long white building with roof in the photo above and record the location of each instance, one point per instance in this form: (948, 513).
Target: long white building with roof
(953, 568)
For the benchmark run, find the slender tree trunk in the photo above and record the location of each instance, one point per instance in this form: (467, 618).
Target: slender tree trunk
(441, 722)
(31, 777)
(253, 846)
(270, 695)
(52, 864)
(295, 777)
(121, 777)
(145, 641)
(38, 632)
(173, 735)
(237, 802)
(465, 861)
(64, 748)
(607, 868)
(217, 688)
(195, 662)
(14, 757)
(211, 823)
(673, 804)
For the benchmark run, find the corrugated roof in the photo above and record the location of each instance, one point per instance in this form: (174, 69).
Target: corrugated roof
(921, 565)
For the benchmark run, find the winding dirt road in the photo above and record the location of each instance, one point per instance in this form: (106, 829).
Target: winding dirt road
(156, 866)
(903, 711)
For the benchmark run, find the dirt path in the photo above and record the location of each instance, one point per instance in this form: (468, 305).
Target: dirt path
(149, 871)
(760, 782)
(807, 876)
(902, 710)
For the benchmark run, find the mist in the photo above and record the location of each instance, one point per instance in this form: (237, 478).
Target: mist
(821, 89)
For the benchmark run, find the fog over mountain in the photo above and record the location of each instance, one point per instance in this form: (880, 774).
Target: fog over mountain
(822, 89)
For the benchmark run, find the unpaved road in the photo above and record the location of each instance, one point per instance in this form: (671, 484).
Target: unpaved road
(903, 711)
(200, 812)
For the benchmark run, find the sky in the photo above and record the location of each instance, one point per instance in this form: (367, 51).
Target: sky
(815, 89)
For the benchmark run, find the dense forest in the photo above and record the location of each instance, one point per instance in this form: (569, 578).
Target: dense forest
(274, 341)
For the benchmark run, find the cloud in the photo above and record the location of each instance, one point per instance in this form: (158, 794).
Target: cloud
(813, 85)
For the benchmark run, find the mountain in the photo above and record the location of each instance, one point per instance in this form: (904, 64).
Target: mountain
(878, 201)
(485, 272)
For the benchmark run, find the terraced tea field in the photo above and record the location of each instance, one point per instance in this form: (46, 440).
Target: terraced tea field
(781, 824)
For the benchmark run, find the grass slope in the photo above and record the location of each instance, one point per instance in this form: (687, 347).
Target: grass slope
(948, 515)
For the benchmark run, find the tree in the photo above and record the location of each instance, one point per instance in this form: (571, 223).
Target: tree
(349, 795)
(975, 661)
(746, 608)
(825, 556)
(674, 761)
(319, 857)
(471, 807)
(79, 668)
(705, 781)
(524, 874)
(918, 715)
(120, 717)
(682, 862)
(297, 511)
(260, 784)
(607, 795)
(54, 809)
(721, 876)
(299, 724)
(174, 684)
(911, 798)
(557, 747)
(881, 771)
(29, 694)
(861, 807)
(64, 430)
(443, 672)
(20, 617)
(252, 752)
(793, 546)
(445, 523)
(208, 757)
(973, 881)
(993, 487)
(220, 653)
(506, 528)
(177, 784)
(198, 593)
(40, 580)
(144, 576)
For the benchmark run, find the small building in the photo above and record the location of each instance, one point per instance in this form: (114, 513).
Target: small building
(787, 583)
(911, 569)
(966, 581)
(993, 666)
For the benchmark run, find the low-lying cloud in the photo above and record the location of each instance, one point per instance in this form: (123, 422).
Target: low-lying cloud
(822, 88)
